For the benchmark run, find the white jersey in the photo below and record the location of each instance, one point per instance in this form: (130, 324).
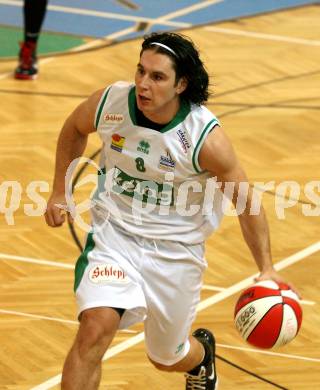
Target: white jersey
(154, 186)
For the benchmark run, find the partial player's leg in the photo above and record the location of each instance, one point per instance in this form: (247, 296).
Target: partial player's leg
(199, 364)
(173, 280)
(105, 278)
(204, 376)
(82, 368)
(34, 12)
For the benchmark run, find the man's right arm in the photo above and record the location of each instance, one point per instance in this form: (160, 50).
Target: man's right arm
(71, 144)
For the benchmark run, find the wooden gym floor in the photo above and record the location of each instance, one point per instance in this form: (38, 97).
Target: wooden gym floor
(266, 78)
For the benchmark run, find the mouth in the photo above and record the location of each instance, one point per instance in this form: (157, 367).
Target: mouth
(143, 99)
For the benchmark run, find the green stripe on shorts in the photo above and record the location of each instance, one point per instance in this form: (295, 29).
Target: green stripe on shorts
(82, 261)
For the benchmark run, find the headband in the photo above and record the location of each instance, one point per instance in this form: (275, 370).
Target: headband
(164, 46)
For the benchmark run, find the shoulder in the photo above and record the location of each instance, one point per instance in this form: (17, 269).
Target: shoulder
(94, 99)
(199, 125)
(84, 114)
(202, 113)
(119, 86)
(114, 92)
(217, 154)
(218, 157)
(101, 95)
(113, 98)
(202, 121)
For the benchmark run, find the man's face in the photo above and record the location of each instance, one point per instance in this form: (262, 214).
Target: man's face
(156, 90)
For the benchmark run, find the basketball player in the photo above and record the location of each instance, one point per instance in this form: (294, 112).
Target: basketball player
(34, 12)
(144, 258)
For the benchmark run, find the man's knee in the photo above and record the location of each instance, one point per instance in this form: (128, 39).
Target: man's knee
(97, 329)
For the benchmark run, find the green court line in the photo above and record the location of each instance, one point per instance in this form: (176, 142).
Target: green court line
(48, 42)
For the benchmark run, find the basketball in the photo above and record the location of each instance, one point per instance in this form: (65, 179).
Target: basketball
(268, 314)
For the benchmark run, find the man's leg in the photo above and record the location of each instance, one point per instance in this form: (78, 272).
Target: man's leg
(34, 12)
(190, 361)
(199, 363)
(175, 272)
(82, 368)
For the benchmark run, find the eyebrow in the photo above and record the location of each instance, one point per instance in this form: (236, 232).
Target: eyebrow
(160, 72)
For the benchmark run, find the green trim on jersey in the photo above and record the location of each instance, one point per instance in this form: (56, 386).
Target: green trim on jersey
(200, 142)
(99, 110)
(82, 261)
(180, 116)
(132, 105)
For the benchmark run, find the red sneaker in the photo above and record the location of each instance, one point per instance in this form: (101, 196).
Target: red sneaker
(27, 68)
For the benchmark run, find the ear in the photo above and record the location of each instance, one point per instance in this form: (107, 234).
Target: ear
(181, 85)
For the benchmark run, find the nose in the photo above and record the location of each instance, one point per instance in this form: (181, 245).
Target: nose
(143, 82)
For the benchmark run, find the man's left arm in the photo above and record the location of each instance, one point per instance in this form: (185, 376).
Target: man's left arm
(218, 157)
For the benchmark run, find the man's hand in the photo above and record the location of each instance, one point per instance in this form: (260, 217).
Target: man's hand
(272, 274)
(57, 208)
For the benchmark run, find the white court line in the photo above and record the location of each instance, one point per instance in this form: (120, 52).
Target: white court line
(212, 288)
(38, 317)
(216, 288)
(139, 337)
(269, 353)
(124, 345)
(5, 75)
(101, 14)
(270, 37)
(246, 282)
(160, 20)
(110, 37)
(203, 305)
(87, 45)
(304, 302)
(71, 266)
(41, 62)
(82, 47)
(188, 10)
(36, 261)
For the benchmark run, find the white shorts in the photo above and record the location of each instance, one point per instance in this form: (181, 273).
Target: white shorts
(155, 281)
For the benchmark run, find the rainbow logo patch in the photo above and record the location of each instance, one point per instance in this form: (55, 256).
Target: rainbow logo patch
(117, 142)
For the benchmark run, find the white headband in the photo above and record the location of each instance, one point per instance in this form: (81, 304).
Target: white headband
(164, 46)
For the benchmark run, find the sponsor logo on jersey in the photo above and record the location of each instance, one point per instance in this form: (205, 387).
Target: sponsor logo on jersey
(113, 118)
(142, 190)
(107, 273)
(143, 147)
(167, 163)
(117, 142)
(185, 143)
